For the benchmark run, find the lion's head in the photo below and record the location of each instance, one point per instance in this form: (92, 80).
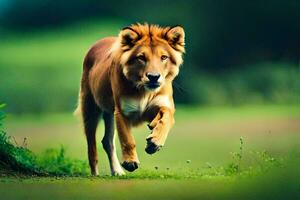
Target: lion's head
(150, 55)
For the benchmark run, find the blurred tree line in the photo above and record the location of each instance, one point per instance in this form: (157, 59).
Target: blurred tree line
(219, 33)
(236, 49)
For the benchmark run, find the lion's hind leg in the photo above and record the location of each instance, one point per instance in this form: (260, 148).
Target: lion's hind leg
(90, 115)
(108, 143)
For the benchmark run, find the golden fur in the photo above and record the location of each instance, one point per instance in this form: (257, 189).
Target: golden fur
(128, 79)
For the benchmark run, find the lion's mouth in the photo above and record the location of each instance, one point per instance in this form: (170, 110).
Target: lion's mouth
(152, 86)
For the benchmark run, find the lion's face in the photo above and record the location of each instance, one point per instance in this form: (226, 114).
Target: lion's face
(151, 55)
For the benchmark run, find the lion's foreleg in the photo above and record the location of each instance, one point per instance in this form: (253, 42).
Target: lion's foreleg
(129, 155)
(160, 125)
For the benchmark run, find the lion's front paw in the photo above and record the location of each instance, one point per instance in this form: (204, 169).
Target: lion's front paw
(130, 165)
(152, 146)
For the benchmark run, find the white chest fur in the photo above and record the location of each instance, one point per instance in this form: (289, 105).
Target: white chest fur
(137, 106)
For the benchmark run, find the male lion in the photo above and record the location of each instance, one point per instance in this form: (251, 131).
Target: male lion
(128, 79)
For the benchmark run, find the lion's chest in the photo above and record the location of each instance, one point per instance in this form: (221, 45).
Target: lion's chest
(135, 107)
(132, 107)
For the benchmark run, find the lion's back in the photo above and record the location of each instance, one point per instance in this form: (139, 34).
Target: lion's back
(98, 52)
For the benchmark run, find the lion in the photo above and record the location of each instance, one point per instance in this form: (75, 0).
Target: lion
(127, 80)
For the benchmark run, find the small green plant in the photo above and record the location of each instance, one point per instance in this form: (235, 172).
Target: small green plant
(266, 161)
(263, 162)
(235, 166)
(56, 162)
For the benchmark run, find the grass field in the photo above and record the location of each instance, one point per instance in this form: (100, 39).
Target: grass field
(195, 162)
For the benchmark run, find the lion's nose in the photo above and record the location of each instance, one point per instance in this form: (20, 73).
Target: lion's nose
(153, 76)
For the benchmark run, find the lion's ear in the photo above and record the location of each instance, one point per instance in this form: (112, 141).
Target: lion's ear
(175, 37)
(128, 37)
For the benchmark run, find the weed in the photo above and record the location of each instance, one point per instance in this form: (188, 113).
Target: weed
(56, 162)
(263, 162)
(235, 166)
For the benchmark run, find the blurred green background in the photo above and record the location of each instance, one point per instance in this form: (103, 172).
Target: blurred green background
(237, 52)
(240, 78)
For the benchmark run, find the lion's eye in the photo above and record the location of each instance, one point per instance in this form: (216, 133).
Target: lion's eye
(164, 57)
(141, 58)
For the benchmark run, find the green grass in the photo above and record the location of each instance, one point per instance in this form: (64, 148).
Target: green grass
(276, 184)
(213, 132)
(249, 152)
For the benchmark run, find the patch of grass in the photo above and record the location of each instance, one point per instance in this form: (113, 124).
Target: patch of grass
(264, 161)
(19, 159)
(15, 158)
(55, 162)
(196, 163)
(52, 162)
